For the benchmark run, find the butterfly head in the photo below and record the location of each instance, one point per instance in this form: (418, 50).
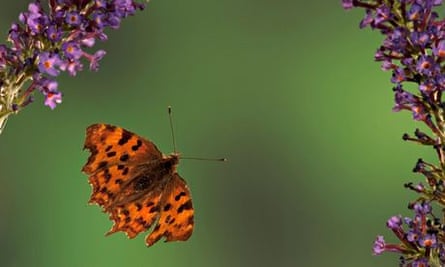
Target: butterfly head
(171, 161)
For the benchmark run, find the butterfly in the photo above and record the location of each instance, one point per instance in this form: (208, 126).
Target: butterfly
(137, 185)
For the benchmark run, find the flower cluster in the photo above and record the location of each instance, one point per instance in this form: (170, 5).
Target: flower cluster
(418, 240)
(413, 49)
(45, 42)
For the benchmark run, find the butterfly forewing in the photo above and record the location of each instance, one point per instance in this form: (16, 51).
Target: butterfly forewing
(111, 145)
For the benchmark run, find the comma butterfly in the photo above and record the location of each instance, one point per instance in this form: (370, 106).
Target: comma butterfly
(137, 185)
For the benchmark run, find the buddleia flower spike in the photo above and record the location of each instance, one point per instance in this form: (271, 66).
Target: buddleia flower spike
(413, 50)
(53, 39)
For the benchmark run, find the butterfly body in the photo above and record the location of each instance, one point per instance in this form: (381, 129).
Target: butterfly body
(137, 185)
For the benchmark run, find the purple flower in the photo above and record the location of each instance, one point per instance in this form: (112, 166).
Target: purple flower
(94, 60)
(99, 19)
(53, 34)
(428, 241)
(421, 39)
(368, 20)
(89, 42)
(422, 208)
(72, 67)
(34, 8)
(426, 65)
(387, 64)
(439, 49)
(415, 12)
(49, 90)
(427, 86)
(48, 63)
(72, 50)
(398, 75)
(73, 18)
(412, 236)
(124, 7)
(394, 222)
(379, 245)
(48, 40)
(347, 4)
(413, 50)
(35, 19)
(409, 101)
(114, 21)
(383, 14)
(52, 99)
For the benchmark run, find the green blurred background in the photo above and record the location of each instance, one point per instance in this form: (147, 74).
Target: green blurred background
(286, 90)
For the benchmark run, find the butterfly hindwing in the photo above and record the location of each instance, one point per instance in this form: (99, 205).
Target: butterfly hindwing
(177, 213)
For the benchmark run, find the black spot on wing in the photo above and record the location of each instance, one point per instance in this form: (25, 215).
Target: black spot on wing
(111, 154)
(178, 196)
(102, 164)
(186, 206)
(126, 135)
(124, 157)
(110, 128)
(137, 146)
(167, 220)
(167, 207)
(154, 209)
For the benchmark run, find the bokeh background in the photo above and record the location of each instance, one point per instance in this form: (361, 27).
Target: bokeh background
(287, 90)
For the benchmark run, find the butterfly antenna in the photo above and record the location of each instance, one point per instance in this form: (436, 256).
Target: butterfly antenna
(170, 116)
(221, 159)
(171, 127)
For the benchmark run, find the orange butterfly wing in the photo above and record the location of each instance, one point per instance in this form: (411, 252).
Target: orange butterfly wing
(176, 220)
(137, 185)
(110, 145)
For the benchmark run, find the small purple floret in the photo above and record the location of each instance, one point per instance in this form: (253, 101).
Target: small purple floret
(52, 99)
(48, 63)
(394, 222)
